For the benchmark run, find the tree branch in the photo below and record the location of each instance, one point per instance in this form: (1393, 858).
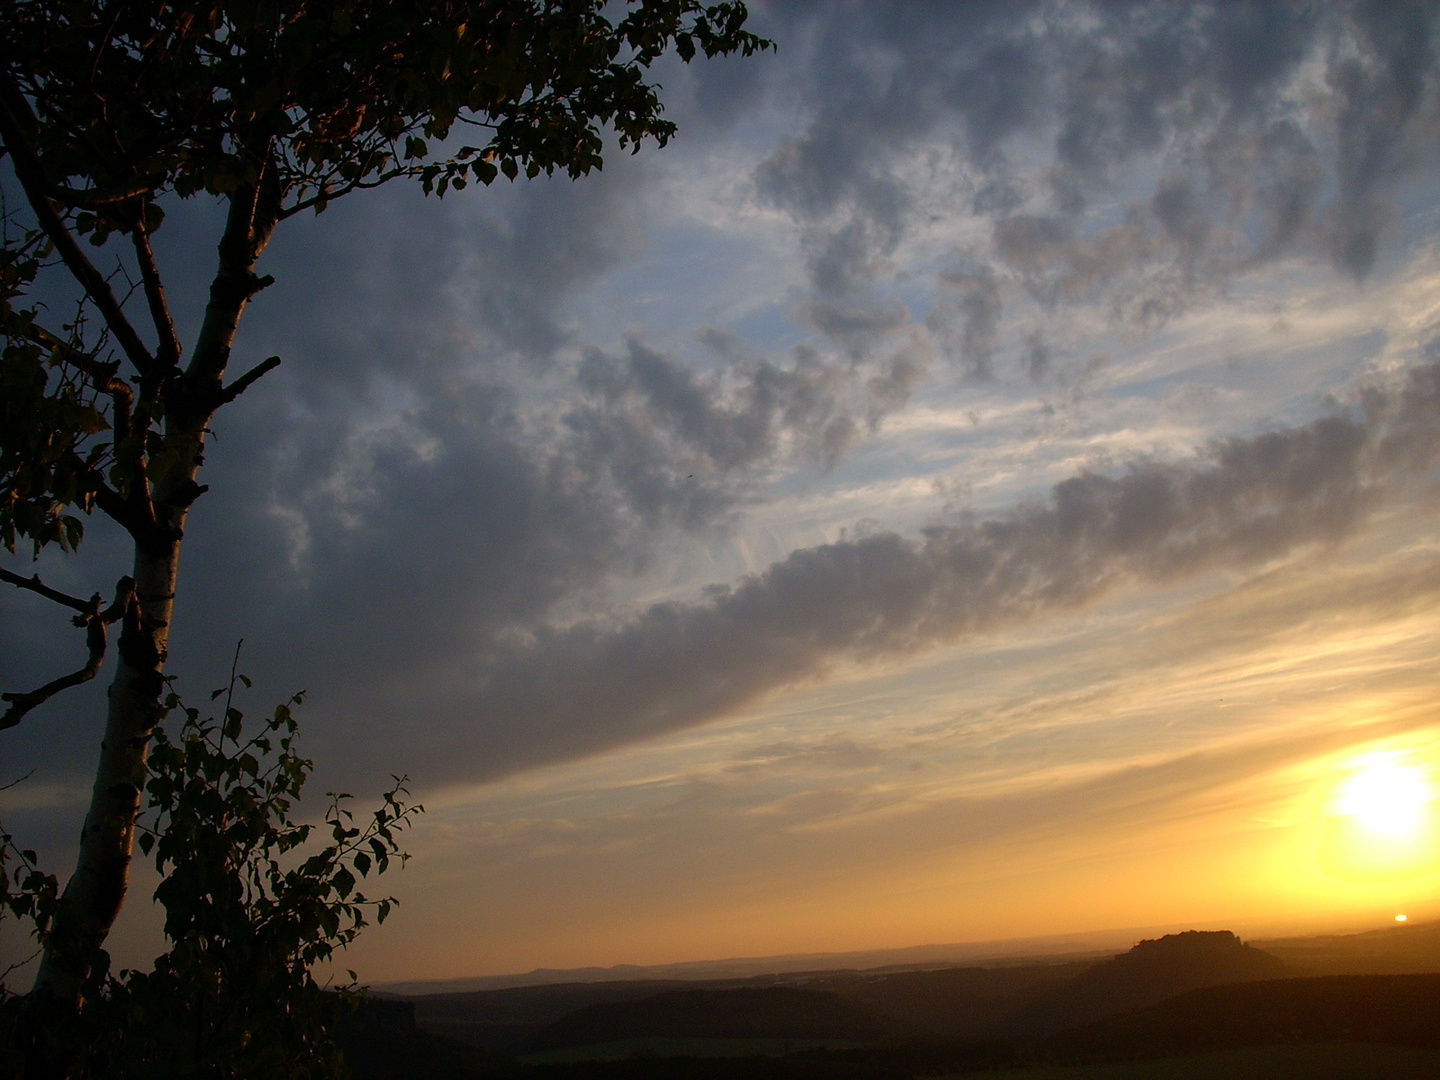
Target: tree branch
(234, 283)
(98, 198)
(14, 111)
(325, 194)
(136, 515)
(35, 585)
(102, 376)
(269, 198)
(16, 783)
(94, 620)
(331, 194)
(155, 296)
(244, 382)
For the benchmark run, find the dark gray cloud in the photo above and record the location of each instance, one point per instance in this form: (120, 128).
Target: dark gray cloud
(393, 446)
(1037, 357)
(560, 692)
(397, 283)
(650, 416)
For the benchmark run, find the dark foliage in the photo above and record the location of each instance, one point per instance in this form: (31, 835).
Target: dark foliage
(381, 1042)
(893, 1062)
(250, 909)
(499, 1019)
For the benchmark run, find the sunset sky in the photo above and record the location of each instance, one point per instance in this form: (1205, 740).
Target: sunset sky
(978, 481)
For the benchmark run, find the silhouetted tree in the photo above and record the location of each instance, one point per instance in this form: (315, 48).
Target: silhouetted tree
(275, 108)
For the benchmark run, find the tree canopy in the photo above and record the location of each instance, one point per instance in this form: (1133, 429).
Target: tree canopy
(278, 108)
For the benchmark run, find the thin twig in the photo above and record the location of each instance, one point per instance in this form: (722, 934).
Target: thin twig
(18, 780)
(18, 965)
(230, 692)
(94, 198)
(103, 376)
(155, 298)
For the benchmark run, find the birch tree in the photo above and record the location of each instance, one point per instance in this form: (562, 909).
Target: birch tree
(110, 110)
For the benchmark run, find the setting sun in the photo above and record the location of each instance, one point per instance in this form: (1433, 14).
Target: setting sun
(1386, 797)
(1381, 823)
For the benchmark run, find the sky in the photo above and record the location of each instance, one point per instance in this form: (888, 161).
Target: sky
(978, 481)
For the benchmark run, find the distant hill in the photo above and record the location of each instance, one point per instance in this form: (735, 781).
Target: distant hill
(948, 1003)
(1402, 1010)
(1019, 1001)
(1009, 1003)
(951, 1003)
(1090, 944)
(1050, 949)
(1395, 950)
(1181, 994)
(775, 1012)
(1150, 972)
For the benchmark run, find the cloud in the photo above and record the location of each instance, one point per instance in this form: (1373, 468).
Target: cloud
(560, 692)
(1381, 75)
(420, 521)
(1116, 154)
(412, 283)
(1037, 357)
(968, 326)
(448, 474)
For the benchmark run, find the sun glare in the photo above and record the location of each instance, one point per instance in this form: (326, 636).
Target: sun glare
(1381, 823)
(1386, 797)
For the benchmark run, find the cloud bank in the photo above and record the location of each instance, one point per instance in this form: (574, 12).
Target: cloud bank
(557, 693)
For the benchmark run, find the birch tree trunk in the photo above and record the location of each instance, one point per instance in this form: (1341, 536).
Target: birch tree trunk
(156, 520)
(97, 887)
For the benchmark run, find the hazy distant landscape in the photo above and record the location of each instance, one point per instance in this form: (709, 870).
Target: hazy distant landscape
(1189, 1004)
